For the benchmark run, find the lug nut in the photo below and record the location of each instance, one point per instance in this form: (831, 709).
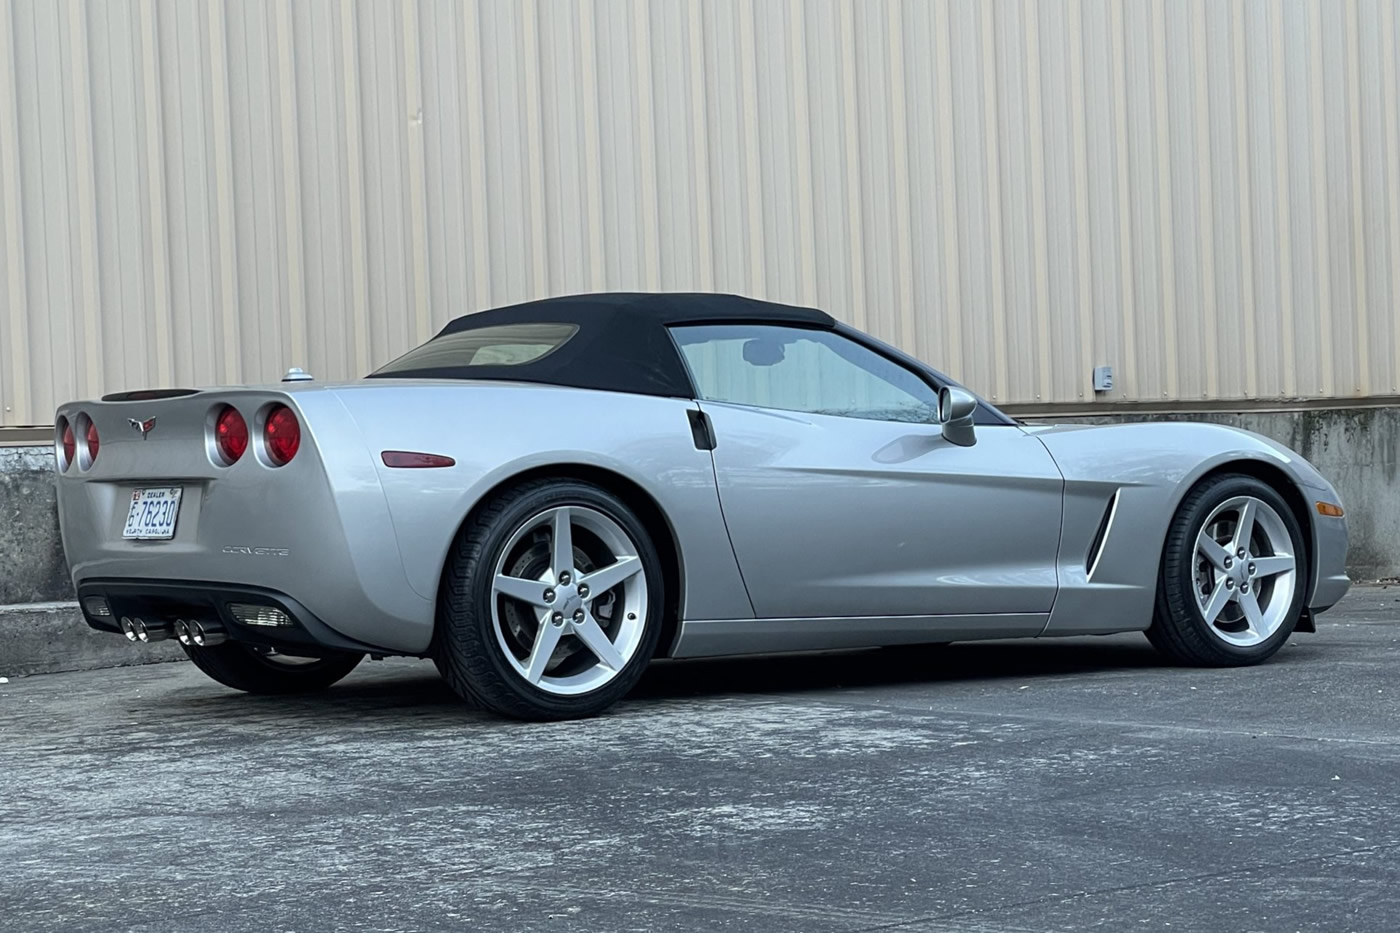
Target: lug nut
(564, 578)
(1240, 553)
(1229, 562)
(1229, 584)
(1251, 569)
(1244, 587)
(578, 615)
(558, 618)
(549, 596)
(583, 590)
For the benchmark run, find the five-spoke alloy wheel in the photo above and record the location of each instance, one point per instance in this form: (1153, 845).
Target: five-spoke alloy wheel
(550, 603)
(1246, 572)
(594, 592)
(1233, 575)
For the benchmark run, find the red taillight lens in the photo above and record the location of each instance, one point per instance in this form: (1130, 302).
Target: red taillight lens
(69, 442)
(283, 435)
(93, 443)
(231, 434)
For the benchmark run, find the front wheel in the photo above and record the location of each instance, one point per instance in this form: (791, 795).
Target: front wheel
(1233, 575)
(551, 603)
(262, 670)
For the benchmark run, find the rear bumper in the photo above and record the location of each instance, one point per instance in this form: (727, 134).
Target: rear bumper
(168, 600)
(317, 529)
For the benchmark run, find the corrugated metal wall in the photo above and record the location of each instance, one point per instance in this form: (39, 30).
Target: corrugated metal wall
(1205, 195)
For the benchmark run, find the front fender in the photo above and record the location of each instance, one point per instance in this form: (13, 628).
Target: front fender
(1151, 467)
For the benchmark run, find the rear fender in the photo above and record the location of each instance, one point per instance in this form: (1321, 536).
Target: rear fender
(494, 432)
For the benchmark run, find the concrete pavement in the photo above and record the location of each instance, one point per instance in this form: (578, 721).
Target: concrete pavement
(1061, 785)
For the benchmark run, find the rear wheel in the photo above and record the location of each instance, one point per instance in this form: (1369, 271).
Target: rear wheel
(1233, 575)
(551, 603)
(262, 670)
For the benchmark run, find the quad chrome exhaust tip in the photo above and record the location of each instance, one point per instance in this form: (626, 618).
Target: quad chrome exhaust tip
(140, 630)
(202, 634)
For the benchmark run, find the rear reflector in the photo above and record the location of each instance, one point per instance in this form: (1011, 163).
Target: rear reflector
(409, 460)
(97, 606)
(266, 616)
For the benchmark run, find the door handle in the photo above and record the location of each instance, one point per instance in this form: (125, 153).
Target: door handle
(701, 430)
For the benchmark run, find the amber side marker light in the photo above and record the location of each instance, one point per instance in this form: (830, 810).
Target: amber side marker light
(409, 460)
(1328, 509)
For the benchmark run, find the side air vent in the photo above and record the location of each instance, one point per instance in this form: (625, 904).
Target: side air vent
(1091, 560)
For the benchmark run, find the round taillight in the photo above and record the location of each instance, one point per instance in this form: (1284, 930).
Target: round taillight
(282, 434)
(68, 442)
(230, 434)
(93, 443)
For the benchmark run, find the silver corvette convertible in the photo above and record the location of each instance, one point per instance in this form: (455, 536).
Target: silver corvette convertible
(545, 497)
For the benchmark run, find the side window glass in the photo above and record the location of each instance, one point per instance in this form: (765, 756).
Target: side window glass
(801, 369)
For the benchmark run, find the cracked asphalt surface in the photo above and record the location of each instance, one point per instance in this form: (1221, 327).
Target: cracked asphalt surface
(1059, 785)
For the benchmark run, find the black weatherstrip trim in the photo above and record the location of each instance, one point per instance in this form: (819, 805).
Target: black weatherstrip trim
(148, 395)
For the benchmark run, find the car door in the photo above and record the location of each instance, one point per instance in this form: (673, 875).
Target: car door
(843, 499)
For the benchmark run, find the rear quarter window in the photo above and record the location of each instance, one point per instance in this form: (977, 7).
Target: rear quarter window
(503, 345)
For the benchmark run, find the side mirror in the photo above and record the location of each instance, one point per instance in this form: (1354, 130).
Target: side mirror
(956, 408)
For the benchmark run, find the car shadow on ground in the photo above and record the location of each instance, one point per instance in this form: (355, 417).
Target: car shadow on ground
(403, 691)
(913, 664)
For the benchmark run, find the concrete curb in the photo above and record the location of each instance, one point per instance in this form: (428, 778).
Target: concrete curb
(46, 638)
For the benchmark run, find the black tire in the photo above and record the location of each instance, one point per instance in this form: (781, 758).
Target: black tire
(254, 671)
(1179, 629)
(466, 649)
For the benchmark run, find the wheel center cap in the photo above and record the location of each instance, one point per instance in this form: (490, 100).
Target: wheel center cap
(569, 600)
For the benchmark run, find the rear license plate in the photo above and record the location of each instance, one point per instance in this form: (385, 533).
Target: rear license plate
(152, 514)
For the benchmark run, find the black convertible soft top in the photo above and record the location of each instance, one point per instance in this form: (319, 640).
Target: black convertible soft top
(621, 344)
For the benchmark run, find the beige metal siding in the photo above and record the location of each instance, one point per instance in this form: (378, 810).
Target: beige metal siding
(1204, 194)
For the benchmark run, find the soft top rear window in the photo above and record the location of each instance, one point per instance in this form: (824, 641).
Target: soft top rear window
(501, 345)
